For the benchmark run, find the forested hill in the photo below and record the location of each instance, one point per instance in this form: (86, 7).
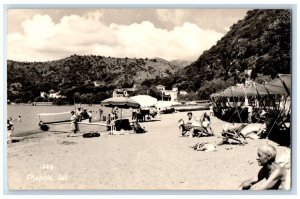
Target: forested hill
(78, 73)
(81, 69)
(261, 42)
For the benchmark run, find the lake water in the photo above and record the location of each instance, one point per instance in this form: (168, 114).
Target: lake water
(29, 114)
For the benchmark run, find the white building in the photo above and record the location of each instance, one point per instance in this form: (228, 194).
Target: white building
(52, 94)
(168, 95)
(124, 92)
(160, 87)
(183, 93)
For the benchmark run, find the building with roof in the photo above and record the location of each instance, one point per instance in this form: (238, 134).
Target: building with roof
(124, 92)
(168, 95)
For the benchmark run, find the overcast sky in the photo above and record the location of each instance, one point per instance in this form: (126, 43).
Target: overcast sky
(50, 34)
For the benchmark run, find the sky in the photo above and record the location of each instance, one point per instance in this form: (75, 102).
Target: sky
(171, 34)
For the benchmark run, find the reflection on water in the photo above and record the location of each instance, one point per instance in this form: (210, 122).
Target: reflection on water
(30, 119)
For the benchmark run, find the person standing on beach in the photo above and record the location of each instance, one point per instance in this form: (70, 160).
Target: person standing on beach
(274, 174)
(19, 118)
(100, 113)
(74, 124)
(79, 114)
(211, 111)
(115, 112)
(10, 129)
(108, 122)
(90, 116)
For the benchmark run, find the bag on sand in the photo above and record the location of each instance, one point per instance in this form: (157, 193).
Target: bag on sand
(91, 134)
(137, 128)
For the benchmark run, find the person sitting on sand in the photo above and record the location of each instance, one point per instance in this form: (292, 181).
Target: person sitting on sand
(274, 174)
(188, 126)
(205, 122)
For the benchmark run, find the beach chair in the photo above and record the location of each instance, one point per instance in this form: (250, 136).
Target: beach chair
(235, 135)
(278, 128)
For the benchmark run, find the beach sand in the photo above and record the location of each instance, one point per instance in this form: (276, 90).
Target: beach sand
(157, 160)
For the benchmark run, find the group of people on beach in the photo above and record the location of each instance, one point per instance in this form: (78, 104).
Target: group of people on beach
(141, 115)
(78, 116)
(270, 176)
(196, 128)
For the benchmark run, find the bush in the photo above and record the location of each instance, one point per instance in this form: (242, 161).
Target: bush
(59, 102)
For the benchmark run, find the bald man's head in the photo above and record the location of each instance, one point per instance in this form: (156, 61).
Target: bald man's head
(266, 154)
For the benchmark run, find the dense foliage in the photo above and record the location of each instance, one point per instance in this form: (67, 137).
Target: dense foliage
(78, 74)
(260, 42)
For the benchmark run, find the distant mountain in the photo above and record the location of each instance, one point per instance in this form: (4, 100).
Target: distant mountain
(260, 42)
(181, 63)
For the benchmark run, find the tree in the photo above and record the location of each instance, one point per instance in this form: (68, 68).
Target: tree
(39, 99)
(90, 98)
(76, 97)
(260, 79)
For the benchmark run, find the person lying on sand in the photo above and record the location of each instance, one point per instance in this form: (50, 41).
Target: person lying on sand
(274, 174)
(204, 146)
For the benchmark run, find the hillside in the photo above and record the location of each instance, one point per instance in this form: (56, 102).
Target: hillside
(76, 71)
(261, 42)
(180, 63)
(79, 69)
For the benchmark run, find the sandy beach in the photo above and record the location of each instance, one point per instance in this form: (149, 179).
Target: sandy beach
(157, 160)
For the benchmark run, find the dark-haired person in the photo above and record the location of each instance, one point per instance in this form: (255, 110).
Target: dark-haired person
(205, 122)
(187, 127)
(10, 129)
(74, 124)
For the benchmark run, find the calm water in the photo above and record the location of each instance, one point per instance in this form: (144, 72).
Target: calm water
(30, 119)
